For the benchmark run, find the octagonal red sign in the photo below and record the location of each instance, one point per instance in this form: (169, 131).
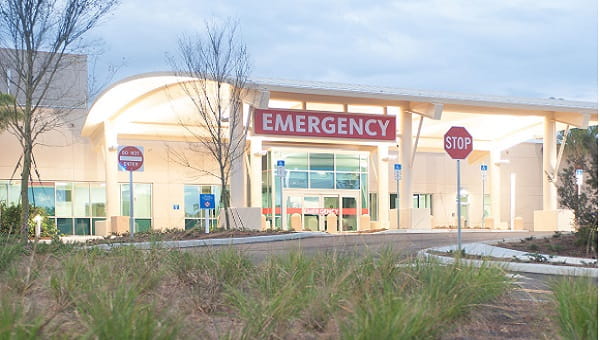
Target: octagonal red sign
(131, 158)
(458, 142)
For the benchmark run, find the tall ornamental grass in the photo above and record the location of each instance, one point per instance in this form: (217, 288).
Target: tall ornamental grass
(576, 301)
(128, 293)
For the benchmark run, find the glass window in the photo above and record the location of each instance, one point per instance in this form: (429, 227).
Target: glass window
(142, 200)
(81, 206)
(4, 192)
(64, 199)
(346, 162)
(82, 226)
(98, 199)
(14, 193)
(65, 226)
(296, 161)
(373, 204)
(349, 218)
(42, 195)
(364, 163)
(143, 224)
(297, 179)
(393, 201)
(191, 201)
(321, 180)
(364, 196)
(422, 201)
(321, 161)
(194, 215)
(347, 181)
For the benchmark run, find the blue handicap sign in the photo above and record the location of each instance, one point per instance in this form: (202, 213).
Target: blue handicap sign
(397, 166)
(207, 201)
(483, 167)
(280, 163)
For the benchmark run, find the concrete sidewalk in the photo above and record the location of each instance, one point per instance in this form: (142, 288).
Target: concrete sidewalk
(553, 265)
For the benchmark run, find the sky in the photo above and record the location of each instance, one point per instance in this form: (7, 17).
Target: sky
(520, 48)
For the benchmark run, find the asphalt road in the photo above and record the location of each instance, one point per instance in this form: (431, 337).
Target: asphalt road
(529, 287)
(406, 243)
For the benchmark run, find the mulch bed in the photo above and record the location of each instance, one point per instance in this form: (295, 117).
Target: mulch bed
(557, 244)
(179, 235)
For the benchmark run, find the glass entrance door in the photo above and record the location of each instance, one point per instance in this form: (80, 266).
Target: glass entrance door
(329, 212)
(349, 213)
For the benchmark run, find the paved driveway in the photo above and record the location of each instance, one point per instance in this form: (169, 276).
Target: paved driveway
(407, 243)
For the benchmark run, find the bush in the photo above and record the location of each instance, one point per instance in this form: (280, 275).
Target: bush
(10, 221)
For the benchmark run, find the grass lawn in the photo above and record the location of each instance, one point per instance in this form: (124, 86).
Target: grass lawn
(58, 291)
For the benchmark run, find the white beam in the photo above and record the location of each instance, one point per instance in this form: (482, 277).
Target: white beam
(549, 165)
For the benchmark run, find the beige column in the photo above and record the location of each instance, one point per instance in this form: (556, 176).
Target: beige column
(549, 160)
(495, 186)
(256, 173)
(383, 184)
(237, 181)
(404, 158)
(111, 172)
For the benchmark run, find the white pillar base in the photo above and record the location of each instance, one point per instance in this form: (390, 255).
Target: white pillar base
(412, 218)
(553, 220)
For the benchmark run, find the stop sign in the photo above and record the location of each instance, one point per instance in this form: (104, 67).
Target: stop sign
(131, 158)
(458, 142)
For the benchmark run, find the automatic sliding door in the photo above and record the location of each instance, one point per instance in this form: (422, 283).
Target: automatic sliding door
(331, 204)
(349, 214)
(311, 212)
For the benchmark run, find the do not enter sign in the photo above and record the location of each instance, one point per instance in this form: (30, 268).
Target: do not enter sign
(131, 158)
(458, 142)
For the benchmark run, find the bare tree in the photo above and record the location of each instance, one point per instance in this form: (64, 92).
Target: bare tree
(37, 38)
(217, 67)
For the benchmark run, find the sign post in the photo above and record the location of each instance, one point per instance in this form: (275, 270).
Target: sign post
(458, 143)
(483, 178)
(131, 158)
(397, 177)
(281, 175)
(207, 202)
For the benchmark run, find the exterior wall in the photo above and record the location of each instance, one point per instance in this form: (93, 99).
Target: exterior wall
(168, 179)
(71, 158)
(435, 173)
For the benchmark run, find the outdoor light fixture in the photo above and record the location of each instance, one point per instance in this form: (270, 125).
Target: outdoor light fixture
(38, 226)
(261, 153)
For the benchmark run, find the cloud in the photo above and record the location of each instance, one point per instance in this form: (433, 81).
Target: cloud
(528, 48)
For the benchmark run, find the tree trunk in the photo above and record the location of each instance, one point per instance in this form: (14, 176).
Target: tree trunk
(26, 170)
(225, 199)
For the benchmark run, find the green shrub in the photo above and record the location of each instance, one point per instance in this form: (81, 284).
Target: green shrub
(10, 221)
(576, 300)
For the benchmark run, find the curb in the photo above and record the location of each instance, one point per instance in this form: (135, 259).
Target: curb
(212, 242)
(534, 268)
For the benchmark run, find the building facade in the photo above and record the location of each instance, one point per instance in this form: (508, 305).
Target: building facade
(338, 145)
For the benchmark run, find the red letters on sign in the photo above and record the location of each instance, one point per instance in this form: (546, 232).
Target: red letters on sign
(324, 124)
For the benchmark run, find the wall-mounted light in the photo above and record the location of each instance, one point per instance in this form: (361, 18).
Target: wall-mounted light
(389, 158)
(260, 153)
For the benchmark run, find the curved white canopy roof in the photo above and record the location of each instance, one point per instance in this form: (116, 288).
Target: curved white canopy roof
(150, 105)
